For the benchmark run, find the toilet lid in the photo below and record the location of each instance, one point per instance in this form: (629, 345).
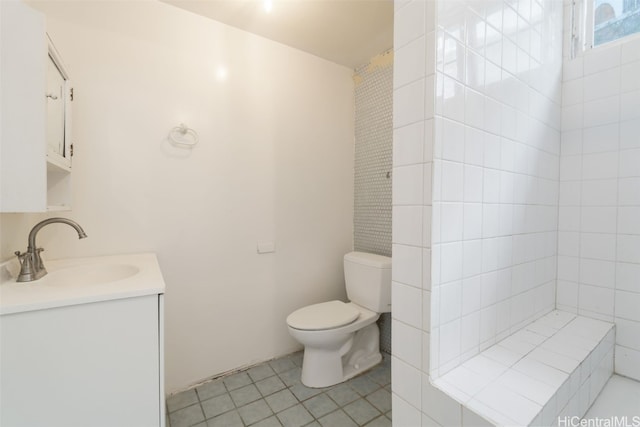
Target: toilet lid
(326, 315)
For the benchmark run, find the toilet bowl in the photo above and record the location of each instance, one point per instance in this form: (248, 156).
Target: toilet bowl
(342, 339)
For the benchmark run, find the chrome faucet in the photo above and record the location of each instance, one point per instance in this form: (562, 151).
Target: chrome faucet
(31, 266)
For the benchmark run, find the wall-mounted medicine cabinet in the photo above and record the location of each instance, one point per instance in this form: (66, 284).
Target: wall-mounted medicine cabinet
(35, 115)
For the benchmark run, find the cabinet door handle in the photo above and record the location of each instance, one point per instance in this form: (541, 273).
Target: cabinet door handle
(52, 96)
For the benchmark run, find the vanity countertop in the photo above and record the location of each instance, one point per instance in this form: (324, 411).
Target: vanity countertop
(79, 281)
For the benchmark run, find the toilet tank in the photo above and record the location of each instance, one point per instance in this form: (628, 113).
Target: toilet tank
(368, 280)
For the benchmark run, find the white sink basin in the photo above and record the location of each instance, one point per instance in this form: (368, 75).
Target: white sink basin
(82, 280)
(89, 274)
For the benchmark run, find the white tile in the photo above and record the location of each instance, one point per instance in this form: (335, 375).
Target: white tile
(573, 117)
(568, 243)
(627, 333)
(407, 265)
(602, 84)
(598, 273)
(601, 138)
(404, 415)
(573, 68)
(492, 151)
(439, 406)
(451, 222)
(631, 51)
(452, 182)
(598, 219)
(598, 246)
(493, 116)
(451, 262)
(602, 111)
(472, 183)
(408, 104)
(572, 92)
(450, 301)
(568, 268)
(408, 144)
(528, 387)
(627, 361)
(599, 192)
(629, 76)
(570, 193)
(502, 355)
(629, 191)
(511, 404)
(491, 186)
(557, 361)
(453, 134)
(454, 100)
(570, 167)
(628, 277)
(629, 131)
(629, 163)
(470, 332)
(409, 62)
(426, 315)
(600, 165)
(596, 60)
(540, 371)
(629, 220)
(485, 366)
(466, 380)
(409, 299)
(409, 23)
(471, 293)
(408, 185)
(628, 249)
(567, 294)
(474, 146)
(627, 304)
(449, 341)
(472, 258)
(571, 142)
(472, 221)
(407, 343)
(596, 299)
(407, 225)
(474, 109)
(490, 220)
(406, 382)
(630, 106)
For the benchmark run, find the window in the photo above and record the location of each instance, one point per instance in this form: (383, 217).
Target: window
(596, 22)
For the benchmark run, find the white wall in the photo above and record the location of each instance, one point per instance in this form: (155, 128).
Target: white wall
(274, 163)
(599, 228)
(477, 130)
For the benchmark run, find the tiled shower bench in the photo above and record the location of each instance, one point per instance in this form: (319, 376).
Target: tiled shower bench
(551, 369)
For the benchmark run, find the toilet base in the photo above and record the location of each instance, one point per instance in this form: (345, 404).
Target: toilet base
(323, 367)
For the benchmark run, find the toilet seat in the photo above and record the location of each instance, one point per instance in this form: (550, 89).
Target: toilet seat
(326, 315)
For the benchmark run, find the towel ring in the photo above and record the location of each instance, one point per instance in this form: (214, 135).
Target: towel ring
(183, 136)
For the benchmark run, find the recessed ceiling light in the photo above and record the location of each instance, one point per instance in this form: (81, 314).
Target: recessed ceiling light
(268, 5)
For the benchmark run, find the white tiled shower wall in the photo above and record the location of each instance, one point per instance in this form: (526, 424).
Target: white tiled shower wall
(599, 223)
(495, 180)
(476, 153)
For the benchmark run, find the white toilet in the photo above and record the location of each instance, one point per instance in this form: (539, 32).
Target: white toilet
(341, 339)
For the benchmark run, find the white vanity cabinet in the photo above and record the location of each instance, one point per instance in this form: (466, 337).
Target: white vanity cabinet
(85, 349)
(35, 115)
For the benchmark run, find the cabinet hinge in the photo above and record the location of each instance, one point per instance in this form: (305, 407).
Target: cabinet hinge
(71, 94)
(71, 150)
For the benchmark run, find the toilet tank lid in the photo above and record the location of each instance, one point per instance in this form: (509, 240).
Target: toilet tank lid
(371, 260)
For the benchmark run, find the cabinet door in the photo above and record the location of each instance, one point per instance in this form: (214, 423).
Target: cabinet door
(94, 364)
(23, 53)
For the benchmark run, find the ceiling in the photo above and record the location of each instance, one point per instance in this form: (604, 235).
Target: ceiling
(347, 32)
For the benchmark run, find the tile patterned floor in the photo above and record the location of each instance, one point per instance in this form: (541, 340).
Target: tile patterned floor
(271, 395)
